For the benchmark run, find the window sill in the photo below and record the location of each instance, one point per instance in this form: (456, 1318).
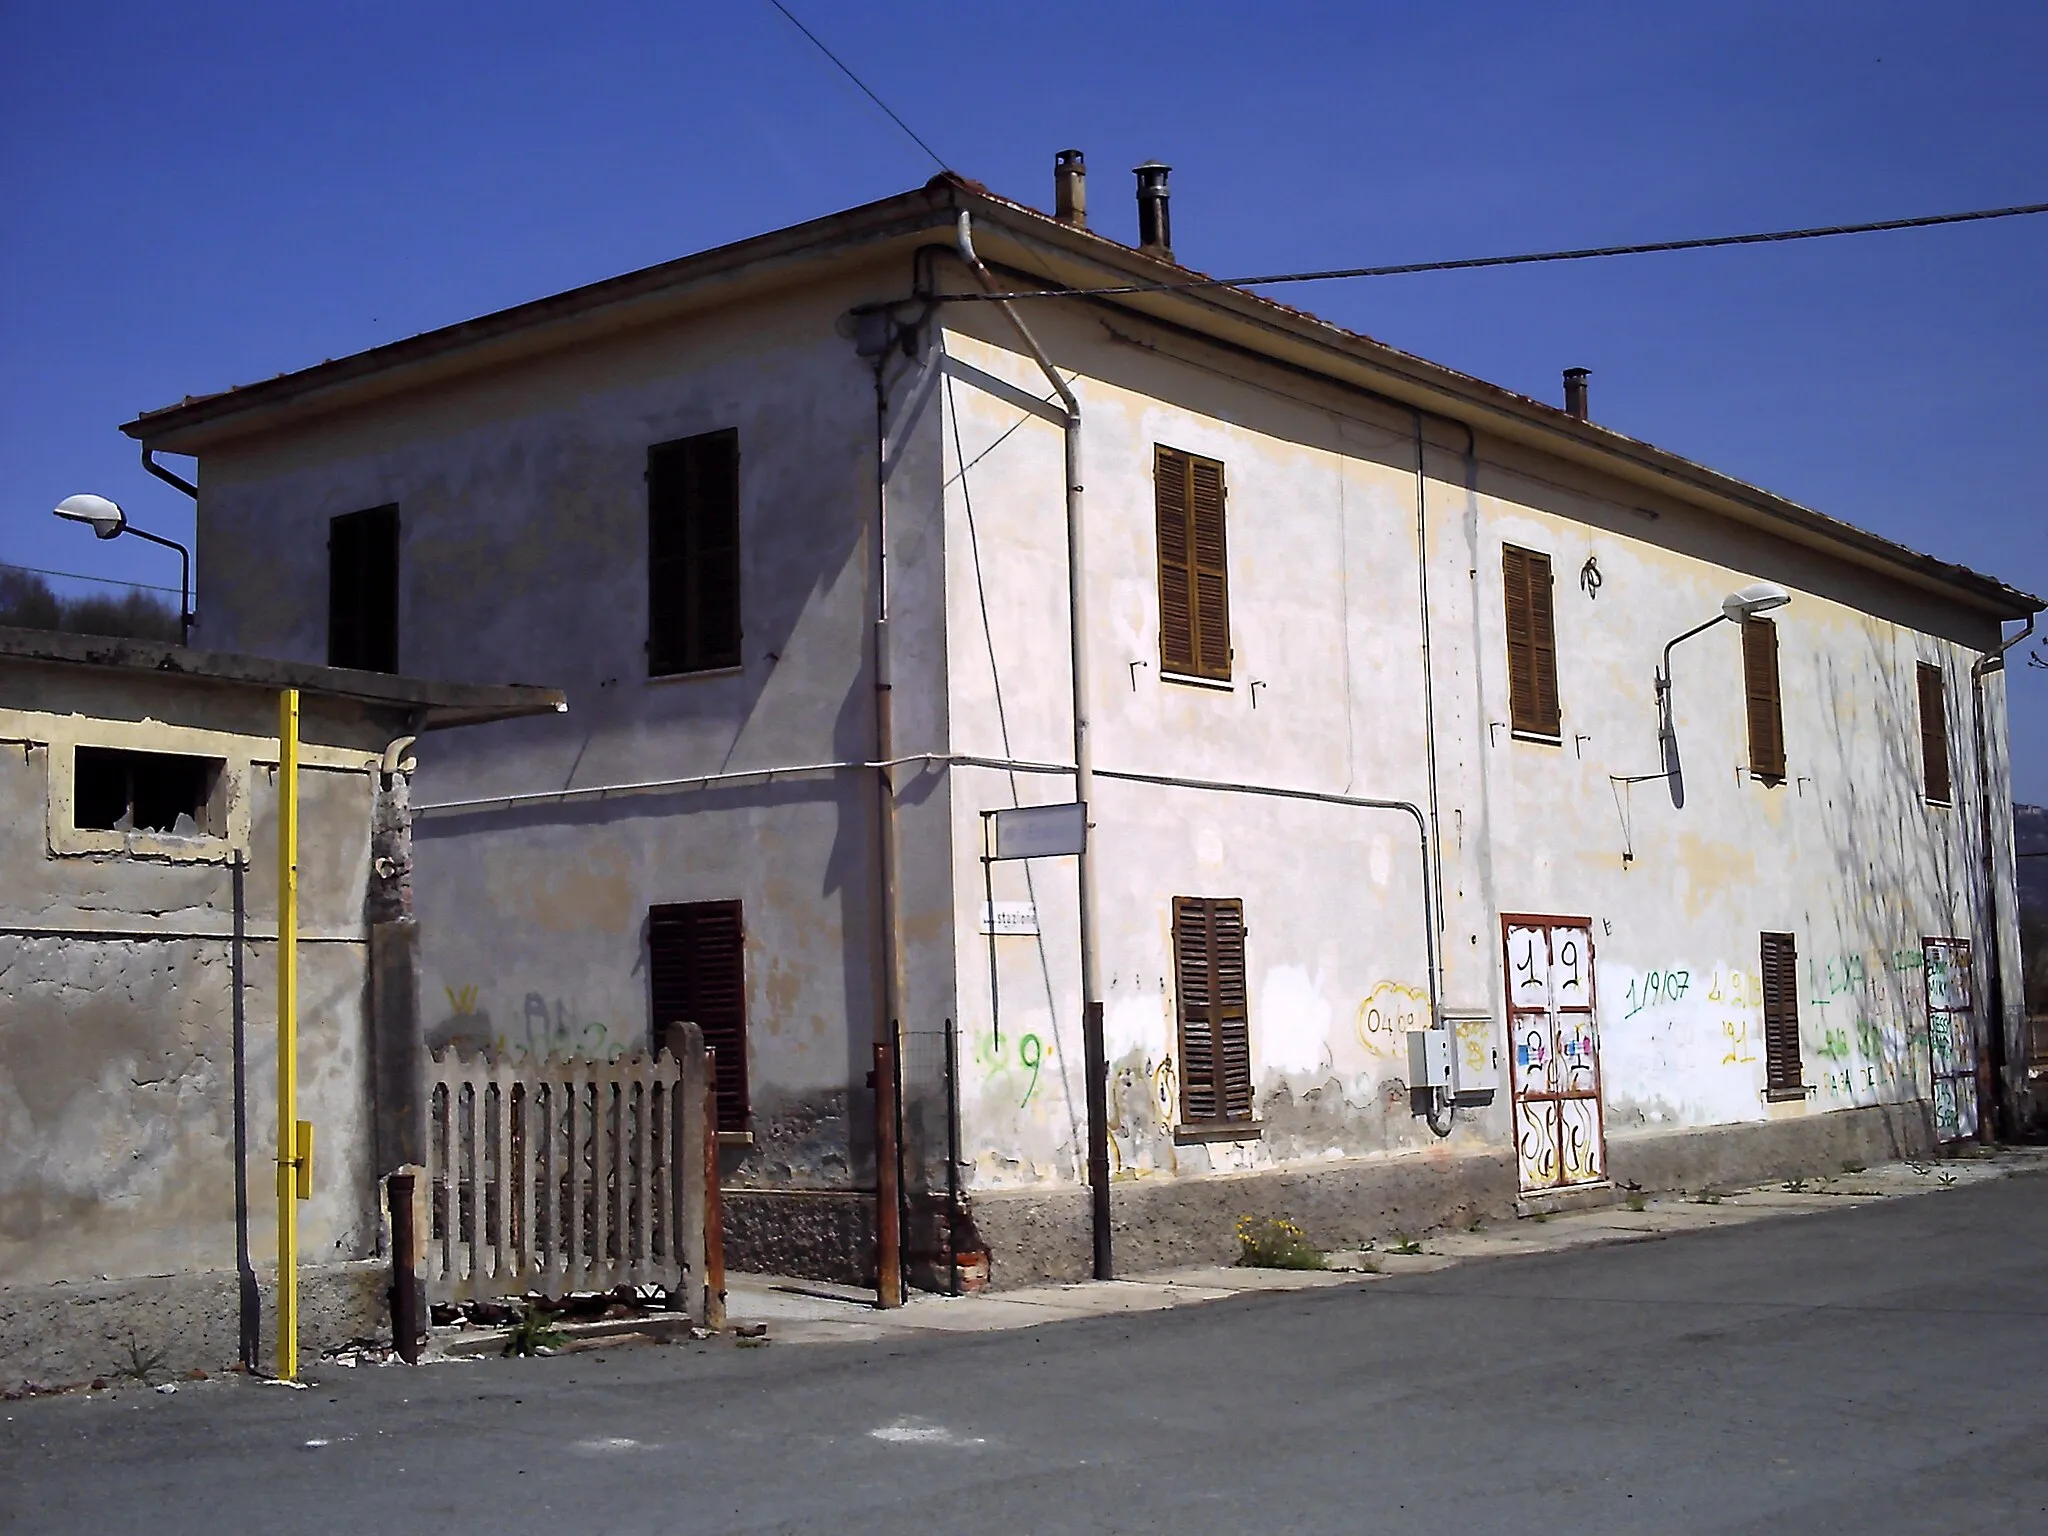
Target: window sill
(1786, 1095)
(1537, 737)
(735, 1138)
(691, 677)
(1213, 684)
(1940, 805)
(1226, 1130)
(1768, 780)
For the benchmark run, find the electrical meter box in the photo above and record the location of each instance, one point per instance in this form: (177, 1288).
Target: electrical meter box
(1429, 1059)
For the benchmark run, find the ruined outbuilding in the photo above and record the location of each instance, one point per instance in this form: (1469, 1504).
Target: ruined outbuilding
(138, 968)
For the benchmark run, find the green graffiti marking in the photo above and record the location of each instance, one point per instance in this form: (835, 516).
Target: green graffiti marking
(1031, 1053)
(1836, 1045)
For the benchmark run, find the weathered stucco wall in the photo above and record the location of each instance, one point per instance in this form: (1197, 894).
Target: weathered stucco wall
(1324, 604)
(524, 530)
(118, 1049)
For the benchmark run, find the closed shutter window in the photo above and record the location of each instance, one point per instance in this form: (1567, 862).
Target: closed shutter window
(1782, 1076)
(1215, 1026)
(1532, 643)
(1934, 733)
(693, 554)
(362, 590)
(1194, 565)
(696, 960)
(1766, 708)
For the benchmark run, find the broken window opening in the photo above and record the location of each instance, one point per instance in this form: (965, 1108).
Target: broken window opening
(168, 793)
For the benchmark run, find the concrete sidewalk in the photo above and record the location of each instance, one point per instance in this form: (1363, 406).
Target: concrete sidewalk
(813, 1312)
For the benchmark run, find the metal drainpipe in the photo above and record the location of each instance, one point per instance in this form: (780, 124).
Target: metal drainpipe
(1436, 841)
(1094, 1048)
(2002, 1106)
(889, 1256)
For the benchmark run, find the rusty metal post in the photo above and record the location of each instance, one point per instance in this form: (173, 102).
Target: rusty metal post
(405, 1268)
(888, 1198)
(714, 1202)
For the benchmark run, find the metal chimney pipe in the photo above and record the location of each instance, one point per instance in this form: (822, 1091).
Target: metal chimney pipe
(1155, 224)
(1070, 188)
(1575, 391)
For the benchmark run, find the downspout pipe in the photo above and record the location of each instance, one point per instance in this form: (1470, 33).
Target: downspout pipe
(1435, 830)
(1094, 1048)
(889, 1257)
(185, 614)
(2004, 1109)
(149, 463)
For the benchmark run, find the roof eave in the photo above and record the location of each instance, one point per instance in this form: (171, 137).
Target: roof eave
(433, 705)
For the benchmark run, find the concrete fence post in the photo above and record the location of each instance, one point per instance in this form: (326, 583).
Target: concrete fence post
(690, 1144)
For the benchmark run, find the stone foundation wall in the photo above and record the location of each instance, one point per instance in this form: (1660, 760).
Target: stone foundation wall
(1038, 1235)
(813, 1235)
(67, 1334)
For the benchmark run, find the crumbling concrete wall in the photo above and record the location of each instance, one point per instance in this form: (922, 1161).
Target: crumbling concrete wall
(124, 1072)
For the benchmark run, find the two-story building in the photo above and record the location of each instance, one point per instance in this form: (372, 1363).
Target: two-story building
(1384, 731)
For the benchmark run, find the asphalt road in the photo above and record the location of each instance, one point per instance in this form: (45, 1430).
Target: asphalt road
(1876, 1369)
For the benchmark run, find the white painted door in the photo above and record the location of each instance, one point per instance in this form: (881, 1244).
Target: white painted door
(1553, 1031)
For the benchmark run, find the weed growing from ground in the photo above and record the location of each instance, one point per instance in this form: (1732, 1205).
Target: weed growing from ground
(534, 1332)
(1273, 1242)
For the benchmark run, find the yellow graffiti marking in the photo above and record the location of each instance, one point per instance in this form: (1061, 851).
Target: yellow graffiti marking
(1389, 1011)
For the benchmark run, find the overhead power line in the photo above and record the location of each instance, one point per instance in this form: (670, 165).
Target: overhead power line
(818, 43)
(1772, 237)
(107, 581)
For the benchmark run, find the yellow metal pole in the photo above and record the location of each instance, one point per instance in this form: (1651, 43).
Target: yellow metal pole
(289, 1149)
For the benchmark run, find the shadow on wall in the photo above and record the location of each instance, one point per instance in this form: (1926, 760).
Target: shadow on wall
(1903, 873)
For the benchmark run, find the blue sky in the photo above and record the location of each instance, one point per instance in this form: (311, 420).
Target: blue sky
(203, 195)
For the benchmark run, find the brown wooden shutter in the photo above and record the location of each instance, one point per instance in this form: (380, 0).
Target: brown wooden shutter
(1176, 562)
(1781, 1014)
(1934, 732)
(1766, 707)
(362, 590)
(1532, 642)
(693, 554)
(1194, 565)
(1212, 569)
(1215, 1022)
(696, 961)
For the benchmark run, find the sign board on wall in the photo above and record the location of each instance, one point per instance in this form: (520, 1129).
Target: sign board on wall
(1005, 918)
(1037, 831)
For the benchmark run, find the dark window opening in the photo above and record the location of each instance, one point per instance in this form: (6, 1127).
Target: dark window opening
(1194, 565)
(696, 962)
(1532, 643)
(1782, 1076)
(118, 791)
(1215, 1023)
(1934, 734)
(693, 554)
(362, 590)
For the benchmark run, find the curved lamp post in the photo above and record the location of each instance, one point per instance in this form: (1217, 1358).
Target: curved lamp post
(1758, 597)
(108, 521)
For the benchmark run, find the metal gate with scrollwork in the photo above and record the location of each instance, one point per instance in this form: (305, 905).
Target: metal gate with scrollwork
(1553, 1033)
(1951, 1038)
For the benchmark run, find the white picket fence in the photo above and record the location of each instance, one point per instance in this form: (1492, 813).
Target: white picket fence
(566, 1174)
